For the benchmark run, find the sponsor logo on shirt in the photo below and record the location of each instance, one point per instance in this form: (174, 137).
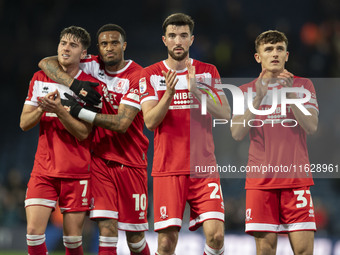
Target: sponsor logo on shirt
(133, 96)
(311, 213)
(162, 83)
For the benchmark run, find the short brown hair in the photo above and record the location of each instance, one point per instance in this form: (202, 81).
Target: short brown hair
(179, 19)
(270, 36)
(78, 33)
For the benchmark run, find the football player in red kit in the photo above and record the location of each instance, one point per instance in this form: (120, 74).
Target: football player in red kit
(61, 170)
(169, 95)
(119, 163)
(278, 201)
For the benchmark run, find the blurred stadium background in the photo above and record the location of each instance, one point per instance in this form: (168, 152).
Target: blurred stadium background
(224, 35)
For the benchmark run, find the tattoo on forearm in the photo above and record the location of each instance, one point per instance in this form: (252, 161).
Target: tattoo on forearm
(56, 73)
(116, 122)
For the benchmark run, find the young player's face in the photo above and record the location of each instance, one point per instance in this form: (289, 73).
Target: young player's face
(272, 56)
(70, 50)
(178, 41)
(111, 47)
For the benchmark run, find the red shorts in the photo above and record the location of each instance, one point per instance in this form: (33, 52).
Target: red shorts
(119, 192)
(73, 194)
(279, 210)
(171, 193)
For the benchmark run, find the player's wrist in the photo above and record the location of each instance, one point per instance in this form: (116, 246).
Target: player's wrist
(292, 95)
(74, 85)
(196, 92)
(257, 101)
(87, 115)
(40, 110)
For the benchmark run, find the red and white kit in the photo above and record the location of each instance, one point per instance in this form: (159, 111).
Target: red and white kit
(282, 150)
(62, 163)
(174, 142)
(119, 160)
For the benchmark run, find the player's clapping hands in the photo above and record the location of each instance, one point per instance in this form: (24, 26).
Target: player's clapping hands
(191, 78)
(286, 79)
(171, 81)
(51, 102)
(262, 85)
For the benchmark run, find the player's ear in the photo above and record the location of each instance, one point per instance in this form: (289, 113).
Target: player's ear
(83, 54)
(124, 46)
(164, 40)
(192, 39)
(287, 56)
(257, 57)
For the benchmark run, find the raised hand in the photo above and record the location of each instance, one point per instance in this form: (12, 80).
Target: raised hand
(262, 85)
(171, 81)
(191, 78)
(285, 78)
(85, 91)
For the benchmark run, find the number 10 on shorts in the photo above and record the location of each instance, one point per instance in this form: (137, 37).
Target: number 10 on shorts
(140, 201)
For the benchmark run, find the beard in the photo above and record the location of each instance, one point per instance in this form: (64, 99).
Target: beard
(178, 57)
(111, 62)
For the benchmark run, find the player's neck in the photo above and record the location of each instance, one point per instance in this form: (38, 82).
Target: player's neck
(117, 67)
(175, 64)
(71, 70)
(272, 74)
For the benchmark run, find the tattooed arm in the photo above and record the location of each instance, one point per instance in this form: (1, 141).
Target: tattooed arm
(53, 69)
(117, 122)
(83, 89)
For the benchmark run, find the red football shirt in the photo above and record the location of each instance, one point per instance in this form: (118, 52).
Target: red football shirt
(122, 88)
(278, 149)
(184, 138)
(59, 154)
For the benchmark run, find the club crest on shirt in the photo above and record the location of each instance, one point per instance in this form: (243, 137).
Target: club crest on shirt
(163, 212)
(121, 86)
(200, 77)
(142, 85)
(248, 215)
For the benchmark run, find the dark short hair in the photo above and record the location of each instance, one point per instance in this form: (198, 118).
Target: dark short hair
(78, 33)
(179, 19)
(111, 27)
(270, 36)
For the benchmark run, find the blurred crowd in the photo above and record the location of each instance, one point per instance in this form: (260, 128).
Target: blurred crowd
(224, 35)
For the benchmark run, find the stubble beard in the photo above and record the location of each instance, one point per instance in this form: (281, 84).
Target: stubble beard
(178, 57)
(111, 63)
